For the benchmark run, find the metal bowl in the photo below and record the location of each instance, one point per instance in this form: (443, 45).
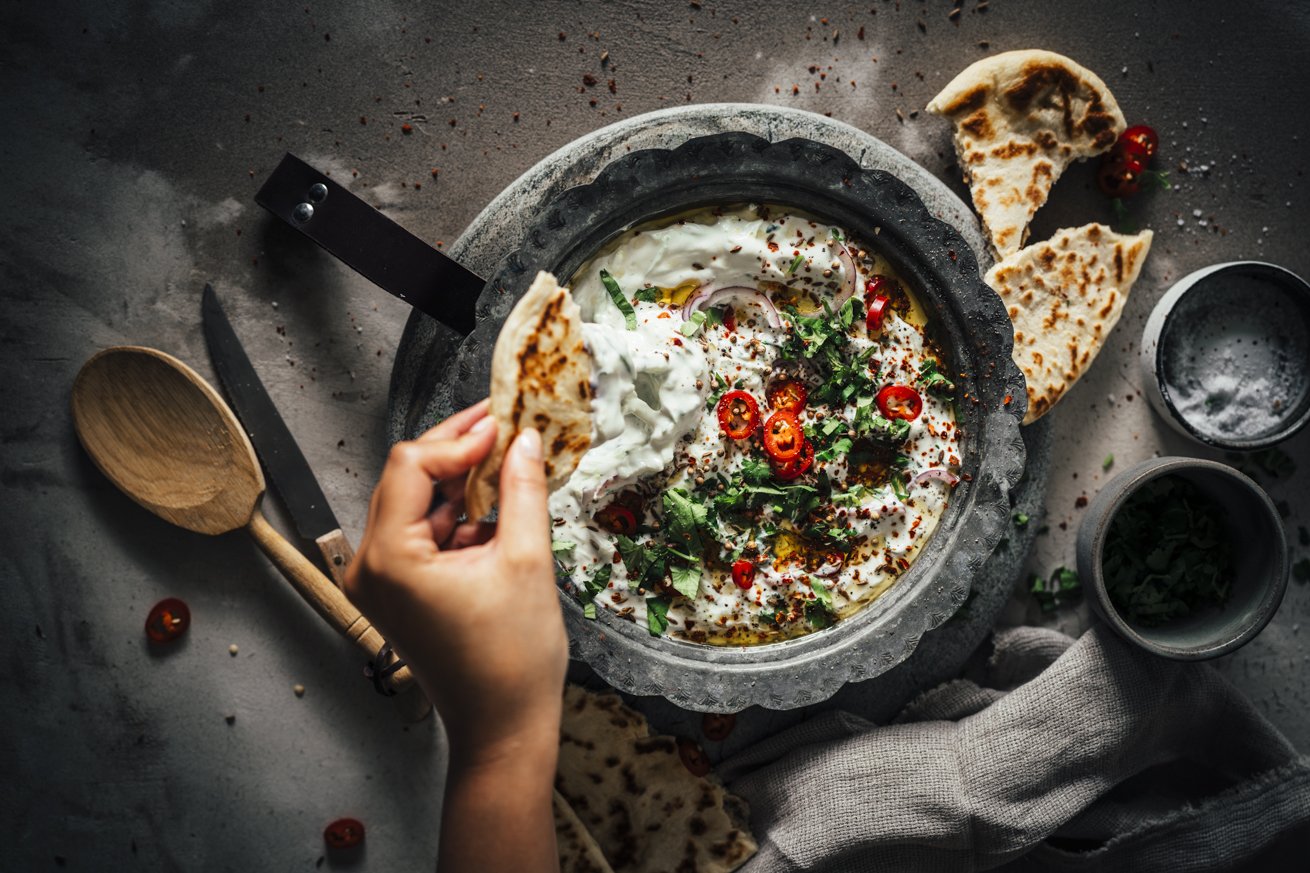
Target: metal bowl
(1260, 576)
(931, 255)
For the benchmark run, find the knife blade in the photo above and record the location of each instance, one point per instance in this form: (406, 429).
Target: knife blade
(277, 449)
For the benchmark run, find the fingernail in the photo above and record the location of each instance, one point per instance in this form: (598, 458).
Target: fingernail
(529, 444)
(483, 424)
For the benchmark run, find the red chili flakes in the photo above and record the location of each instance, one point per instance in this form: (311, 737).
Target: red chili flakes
(588, 79)
(614, 88)
(407, 128)
(363, 119)
(561, 36)
(859, 34)
(453, 122)
(435, 172)
(1080, 502)
(516, 116)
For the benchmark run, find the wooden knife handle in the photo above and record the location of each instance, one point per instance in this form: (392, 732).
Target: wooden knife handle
(338, 554)
(327, 599)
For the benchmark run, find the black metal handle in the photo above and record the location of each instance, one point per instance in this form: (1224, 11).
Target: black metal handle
(371, 244)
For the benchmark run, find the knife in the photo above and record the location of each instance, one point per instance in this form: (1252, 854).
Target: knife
(282, 458)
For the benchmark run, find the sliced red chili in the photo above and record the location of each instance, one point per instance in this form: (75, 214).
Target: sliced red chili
(1139, 140)
(739, 414)
(1121, 175)
(717, 727)
(900, 401)
(876, 311)
(168, 620)
(693, 757)
(797, 466)
(344, 833)
(783, 437)
(788, 394)
(729, 319)
(617, 518)
(743, 574)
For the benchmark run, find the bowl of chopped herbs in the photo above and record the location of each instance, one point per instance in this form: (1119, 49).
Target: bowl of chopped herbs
(1185, 557)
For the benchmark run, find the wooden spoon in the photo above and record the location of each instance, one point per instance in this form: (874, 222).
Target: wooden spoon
(168, 441)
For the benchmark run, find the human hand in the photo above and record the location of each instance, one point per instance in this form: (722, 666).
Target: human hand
(472, 607)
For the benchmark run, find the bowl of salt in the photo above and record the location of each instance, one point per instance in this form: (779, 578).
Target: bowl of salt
(1226, 355)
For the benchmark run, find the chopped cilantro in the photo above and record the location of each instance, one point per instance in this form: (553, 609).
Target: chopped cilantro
(616, 294)
(821, 594)
(1021, 519)
(836, 450)
(932, 378)
(589, 610)
(898, 488)
(855, 494)
(647, 295)
(818, 617)
(562, 547)
(686, 520)
(686, 579)
(796, 263)
(1167, 553)
(1108, 462)
(693, 324)
(593, 586)
(643, 562)
(657, 615)
(1062, 587)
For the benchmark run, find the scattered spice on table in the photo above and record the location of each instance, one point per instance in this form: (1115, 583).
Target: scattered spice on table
(1167, 554)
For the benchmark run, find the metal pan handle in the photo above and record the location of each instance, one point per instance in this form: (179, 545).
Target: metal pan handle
(371, 244)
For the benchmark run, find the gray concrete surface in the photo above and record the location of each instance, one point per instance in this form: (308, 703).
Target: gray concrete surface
(135, 136)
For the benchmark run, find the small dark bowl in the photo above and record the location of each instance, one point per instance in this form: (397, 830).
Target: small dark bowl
(1260, 572)
(1238, 328)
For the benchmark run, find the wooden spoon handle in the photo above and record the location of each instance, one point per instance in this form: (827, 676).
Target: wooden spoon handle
(338, 554)
(327, 599)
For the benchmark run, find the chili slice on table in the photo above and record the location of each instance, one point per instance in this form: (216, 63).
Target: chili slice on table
(617, 518)
(344, 833)
(900, 401)
(783, 437)
(168, 620)
(875, 312)
(739, 414)
(743, 574)
(797, 466)
(788, 394)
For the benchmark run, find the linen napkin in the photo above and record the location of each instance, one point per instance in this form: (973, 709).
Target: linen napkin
(1064, 755)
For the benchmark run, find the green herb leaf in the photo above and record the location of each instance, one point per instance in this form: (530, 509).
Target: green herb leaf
(636, 557)
(693, 324)
(898, 488)
(932, 378)
(616, 294)
(1061, 588)
(562, 547)
(657, 615)
(821, 594)
(686, 579)
(839, 448)
(686, 520)
(1021, 519)
(599, 581)
(1108, 462)
(648, 295)
(795, 264)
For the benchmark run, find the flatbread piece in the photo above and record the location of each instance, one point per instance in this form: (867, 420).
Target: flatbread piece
(644, 807)
(541, 378)
(1020, 118)
(1064, 296)
(578, 851)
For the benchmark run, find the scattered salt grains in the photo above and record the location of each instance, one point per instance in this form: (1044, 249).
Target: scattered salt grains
(298, 689)
(275, 304)
(233, 649)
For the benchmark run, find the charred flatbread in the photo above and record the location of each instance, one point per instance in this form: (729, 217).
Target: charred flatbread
(1020, 118)
(578, 851)
(1064, 296)
(630, 789)
(540, 378)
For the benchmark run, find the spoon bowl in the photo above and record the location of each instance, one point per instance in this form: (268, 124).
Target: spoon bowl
(165, 437)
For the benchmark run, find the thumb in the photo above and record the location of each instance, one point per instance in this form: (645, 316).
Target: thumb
(523, 530)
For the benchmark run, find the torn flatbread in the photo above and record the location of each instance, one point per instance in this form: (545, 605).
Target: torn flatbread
(1020, 118)
(540, 378)
(644, 807)
(1064, 296)
(578, 851)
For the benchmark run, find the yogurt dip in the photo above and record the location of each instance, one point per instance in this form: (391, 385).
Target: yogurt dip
(774, 434)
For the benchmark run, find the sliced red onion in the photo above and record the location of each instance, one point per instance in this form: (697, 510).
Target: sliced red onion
(941, 474)
(851, 278)
(707, 297)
